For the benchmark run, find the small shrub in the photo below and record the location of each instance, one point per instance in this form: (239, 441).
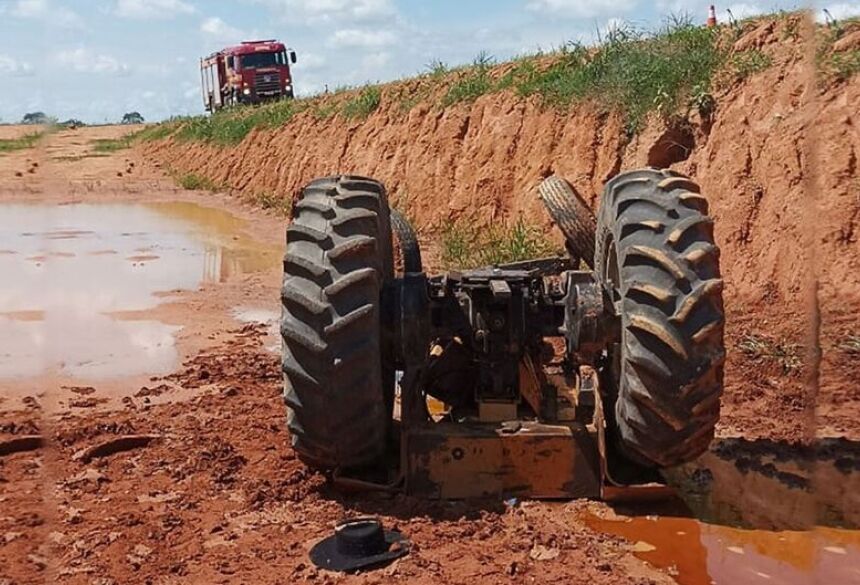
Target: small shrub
(474, 83)
(364, 104)
(107, 145)
(844, 65)
(323, 110)
(437, 69)
(786, 354)
(194, 182)
(747, 63)
(464, 247)
(273, 202)
(457, 246)
(158, 131)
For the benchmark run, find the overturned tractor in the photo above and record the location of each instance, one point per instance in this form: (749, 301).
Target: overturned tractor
(533, 379)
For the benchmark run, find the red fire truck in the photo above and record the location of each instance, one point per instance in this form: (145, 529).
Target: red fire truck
(250, 73)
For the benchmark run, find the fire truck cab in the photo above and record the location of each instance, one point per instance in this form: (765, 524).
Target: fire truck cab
(250, 73)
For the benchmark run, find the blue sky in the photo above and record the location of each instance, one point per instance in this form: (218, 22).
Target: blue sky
(97, 59)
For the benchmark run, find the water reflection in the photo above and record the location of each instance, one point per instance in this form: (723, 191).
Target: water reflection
(66, 269)
(752, 512)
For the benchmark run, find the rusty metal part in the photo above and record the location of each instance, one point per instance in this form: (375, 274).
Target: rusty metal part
(588, 318)
(490, 411)
(530, 384)
(522, 458)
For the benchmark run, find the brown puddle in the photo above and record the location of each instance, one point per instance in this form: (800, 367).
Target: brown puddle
(753, 512)
(68, 270)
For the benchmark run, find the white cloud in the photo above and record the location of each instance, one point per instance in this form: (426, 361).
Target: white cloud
(328, 10)
(10, 66)
(580, 8)
(363, 38)
(45, 11)
(220, 30)
(146, 9)
(84, 60)
(839, 11)
(375, 61)
(311, 62)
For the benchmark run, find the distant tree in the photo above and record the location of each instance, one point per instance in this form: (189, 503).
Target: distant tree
(72, 122)
(132, 118)
(36, 118)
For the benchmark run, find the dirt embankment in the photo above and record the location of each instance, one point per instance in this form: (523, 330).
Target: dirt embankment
(777, 160)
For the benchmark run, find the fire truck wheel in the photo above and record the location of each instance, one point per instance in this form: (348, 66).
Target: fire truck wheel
(337, 390)
(657, 259)
(572, 215)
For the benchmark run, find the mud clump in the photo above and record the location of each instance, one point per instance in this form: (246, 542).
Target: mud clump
(215, 491)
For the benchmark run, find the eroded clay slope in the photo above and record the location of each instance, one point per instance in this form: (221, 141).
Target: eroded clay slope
(777, 161)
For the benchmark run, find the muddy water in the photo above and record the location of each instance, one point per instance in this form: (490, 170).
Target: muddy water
(753, 512)
(80, 282)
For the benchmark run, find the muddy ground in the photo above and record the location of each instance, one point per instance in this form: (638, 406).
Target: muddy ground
(197, 482)
(187, 476)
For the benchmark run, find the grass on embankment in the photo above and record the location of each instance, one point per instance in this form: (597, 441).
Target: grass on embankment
(107, 145)
(464, 246)
(638, 73)
(20, 143)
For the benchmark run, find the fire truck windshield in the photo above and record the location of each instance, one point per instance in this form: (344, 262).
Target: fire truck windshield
(256, 60)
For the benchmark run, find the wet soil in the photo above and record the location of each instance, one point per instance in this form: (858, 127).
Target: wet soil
(174, 465)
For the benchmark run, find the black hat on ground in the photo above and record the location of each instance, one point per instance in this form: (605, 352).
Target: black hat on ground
(359, 544)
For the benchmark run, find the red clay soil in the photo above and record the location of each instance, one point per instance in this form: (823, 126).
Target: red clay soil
(777, 160)
(122, 497)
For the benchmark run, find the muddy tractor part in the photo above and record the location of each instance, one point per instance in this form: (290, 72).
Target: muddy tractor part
(531, 379)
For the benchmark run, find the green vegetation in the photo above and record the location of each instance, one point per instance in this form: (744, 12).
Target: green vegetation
(474, 83)
(633, 71)
(638, 73)
(271, 201)
(159, 131)
(844, 65)
(465, 247)
(837, 65)
(437, 69)
(194, 182)
(132, 118)
(364, 104)
(231, 126)
(20, 143)
(113, 144)
(747, 63)
(786, 354)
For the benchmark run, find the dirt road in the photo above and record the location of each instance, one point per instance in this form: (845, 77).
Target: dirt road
(142, 435)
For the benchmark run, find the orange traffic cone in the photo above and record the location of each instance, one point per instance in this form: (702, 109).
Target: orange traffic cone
(712, 17)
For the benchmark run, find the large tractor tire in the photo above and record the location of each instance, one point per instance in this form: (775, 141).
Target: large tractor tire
(658, 261)
(572, 215)
(336, 386)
